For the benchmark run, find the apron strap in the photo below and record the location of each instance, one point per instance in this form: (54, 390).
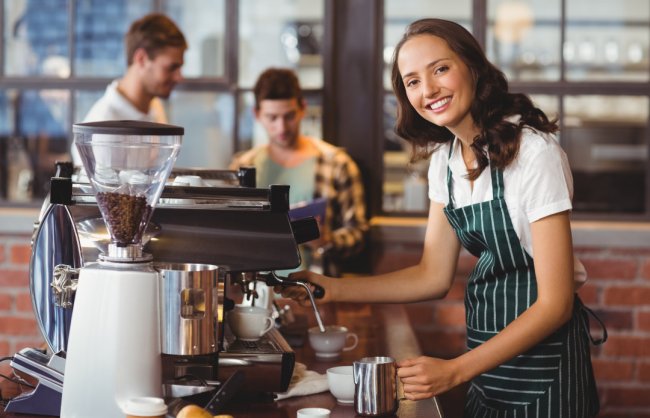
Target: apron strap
(450, 180)
(585, 313)
(497, 183)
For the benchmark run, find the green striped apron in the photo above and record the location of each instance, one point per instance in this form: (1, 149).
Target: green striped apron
(553, 379)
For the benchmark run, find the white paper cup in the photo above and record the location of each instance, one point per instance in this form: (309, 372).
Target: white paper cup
(144, 407)
(313, 413)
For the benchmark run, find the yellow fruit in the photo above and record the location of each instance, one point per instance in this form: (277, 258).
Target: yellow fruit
(193, 411)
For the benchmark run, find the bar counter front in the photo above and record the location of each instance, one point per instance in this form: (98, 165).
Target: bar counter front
(383, 330)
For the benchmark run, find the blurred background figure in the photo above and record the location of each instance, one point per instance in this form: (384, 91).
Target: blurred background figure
(154, 48)
(316, 171)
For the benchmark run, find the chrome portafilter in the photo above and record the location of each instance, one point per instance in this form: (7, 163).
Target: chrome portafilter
(272, 279)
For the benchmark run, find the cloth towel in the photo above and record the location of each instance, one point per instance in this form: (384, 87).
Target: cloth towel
(304, 382)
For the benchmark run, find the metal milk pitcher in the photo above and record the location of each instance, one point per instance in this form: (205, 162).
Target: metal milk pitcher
(375, 386)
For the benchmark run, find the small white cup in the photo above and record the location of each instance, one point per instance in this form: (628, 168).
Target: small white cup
(250, 323)
(341, 383)
(330, 344)
(194, 181)
(145, 407)
(313, 413)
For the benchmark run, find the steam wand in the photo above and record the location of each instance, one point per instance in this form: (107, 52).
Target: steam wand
(273, 279)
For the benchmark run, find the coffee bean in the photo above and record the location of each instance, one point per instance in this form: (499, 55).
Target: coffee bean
(125, 215)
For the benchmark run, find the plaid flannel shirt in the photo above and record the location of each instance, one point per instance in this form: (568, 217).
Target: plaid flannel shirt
(337, 178)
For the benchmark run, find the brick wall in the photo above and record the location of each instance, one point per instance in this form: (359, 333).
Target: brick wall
(18, 327)
(618, 290)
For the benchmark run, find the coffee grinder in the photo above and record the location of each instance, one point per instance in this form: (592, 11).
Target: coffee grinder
(114, 344)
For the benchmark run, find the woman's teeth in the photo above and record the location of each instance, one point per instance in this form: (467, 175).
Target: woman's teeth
(440, 103)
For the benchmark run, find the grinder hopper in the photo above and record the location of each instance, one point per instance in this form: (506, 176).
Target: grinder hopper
(127, 163)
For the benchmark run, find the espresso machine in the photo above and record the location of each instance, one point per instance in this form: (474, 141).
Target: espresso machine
(202, 245)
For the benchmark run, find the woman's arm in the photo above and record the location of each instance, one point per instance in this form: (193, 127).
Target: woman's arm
(553, 256)
(431, 278)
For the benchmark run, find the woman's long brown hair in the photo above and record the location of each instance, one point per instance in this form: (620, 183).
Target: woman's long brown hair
(491, 105)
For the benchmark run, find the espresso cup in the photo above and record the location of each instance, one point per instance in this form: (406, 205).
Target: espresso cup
(330, 344)
(250, 323)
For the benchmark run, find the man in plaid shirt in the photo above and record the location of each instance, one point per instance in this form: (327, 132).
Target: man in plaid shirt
(311, 167)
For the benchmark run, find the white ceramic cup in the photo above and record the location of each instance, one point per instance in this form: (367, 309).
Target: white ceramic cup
(332, 342)
(341, 383)
(250, 323)
(313, 413)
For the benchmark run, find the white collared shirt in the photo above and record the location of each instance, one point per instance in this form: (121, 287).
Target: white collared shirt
(114, 106)
(538, 183)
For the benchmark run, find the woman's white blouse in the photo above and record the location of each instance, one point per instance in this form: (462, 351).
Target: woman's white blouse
(538, 183)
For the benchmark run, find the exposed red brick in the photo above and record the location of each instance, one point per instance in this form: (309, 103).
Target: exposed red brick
(24, 302)
(622, 413)
(4, 348)
(611, 268)
(14, 278)
(18, 326)
(583, 251)
(20, 254)
(5, 302)
(644, 371)
(626, 295)
(639, 252)
(449, 314)
(589, 292)
(613, 370)
(629, 396)
(643, 320)
(645, 270)
(33, 342)
(627, 346)
(620, 319)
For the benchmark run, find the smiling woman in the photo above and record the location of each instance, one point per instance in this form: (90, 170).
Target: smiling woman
(525, 325)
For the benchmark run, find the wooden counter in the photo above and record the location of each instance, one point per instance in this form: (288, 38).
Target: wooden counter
(383, 330)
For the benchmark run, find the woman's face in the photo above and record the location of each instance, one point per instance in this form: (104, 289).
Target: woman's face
(437, 82)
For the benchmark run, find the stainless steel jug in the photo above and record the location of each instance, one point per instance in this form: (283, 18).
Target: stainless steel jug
(189, 308)
(375, 386)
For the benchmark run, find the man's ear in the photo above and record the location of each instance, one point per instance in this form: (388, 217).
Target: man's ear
(140, 56)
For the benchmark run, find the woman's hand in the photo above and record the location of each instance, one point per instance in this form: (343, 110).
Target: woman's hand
(299, 294)
(426, 377)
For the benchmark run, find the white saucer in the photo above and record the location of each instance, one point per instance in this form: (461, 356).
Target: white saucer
(350, 402)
